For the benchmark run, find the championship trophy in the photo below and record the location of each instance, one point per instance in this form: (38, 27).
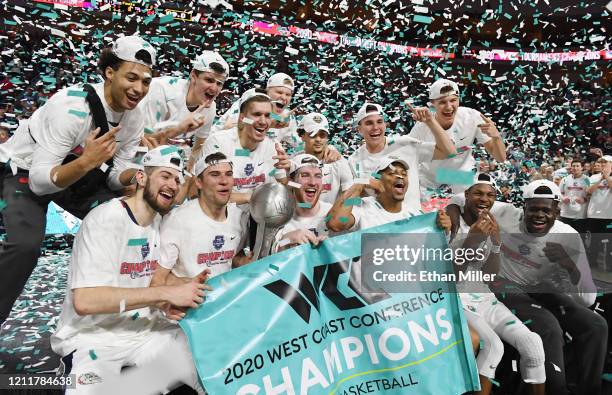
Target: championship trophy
(271, 207)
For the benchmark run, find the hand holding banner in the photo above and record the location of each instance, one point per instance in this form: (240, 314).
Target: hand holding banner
(294, 322)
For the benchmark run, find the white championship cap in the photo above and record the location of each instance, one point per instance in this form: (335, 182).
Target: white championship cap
(607, 158)
(363, 111)
(251, 93)
(201, 165)
(313, 122)
(304, 160)
(386, 161)
(164, 156)
(206, 60)
(282, 80)
(436, 87)
(126, 48)
(484, 178)
(551, 190)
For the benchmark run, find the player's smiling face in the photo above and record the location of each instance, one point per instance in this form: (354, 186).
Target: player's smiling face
(259, 114)
(281, 97)
(207, 86)
(395, 181)
(216, 184)
(162, 186)
(540, 215)
(479, 197)
(315, 145)
(372, 128)
(576, 169)
(311, 180)
(129, 84)
(446, 109)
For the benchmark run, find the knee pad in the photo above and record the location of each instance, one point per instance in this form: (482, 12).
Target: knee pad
(531, 348)
(493, 349)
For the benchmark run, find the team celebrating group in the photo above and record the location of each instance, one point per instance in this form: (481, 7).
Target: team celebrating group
(157, 226)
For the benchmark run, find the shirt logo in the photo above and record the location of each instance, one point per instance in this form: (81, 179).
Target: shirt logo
(248, 169)
(524, 249)
(218, 242)
(145, 249)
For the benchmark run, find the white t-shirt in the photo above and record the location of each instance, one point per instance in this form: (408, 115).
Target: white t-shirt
(524, 262)
(506, 214)
(413, 151)
(288, 135)
(251, 168)
(574, 188)
(462, 133)
(109, 250)
(480, 289)
(370, 213)
(600, 204)
(167, 101)
(61, 126)
(192, 241)
(315, 223)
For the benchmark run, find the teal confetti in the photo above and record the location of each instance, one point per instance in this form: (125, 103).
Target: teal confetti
(137, 242)
(242, 152)
(527, 322)
(343, 219)
(422, 19)
(494, 382)
(169, 150)
(77, 93)
(166, 19)
(80, 114)
(352, 202)
(328, 217)
(135, 316)
(304, 205)
(3, 205)
(274, 267)
(92, 355)
(454, 177)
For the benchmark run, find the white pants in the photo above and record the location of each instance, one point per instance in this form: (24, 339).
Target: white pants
(159, 363)
(492, 320)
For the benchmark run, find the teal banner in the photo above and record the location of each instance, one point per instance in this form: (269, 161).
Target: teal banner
(297, 322)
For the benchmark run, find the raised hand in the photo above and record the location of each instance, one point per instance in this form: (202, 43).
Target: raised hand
(100, 149)
(282, 159)
(443, 221)
(421, 114)
(193, 121)
(331, 154)
(488, 127)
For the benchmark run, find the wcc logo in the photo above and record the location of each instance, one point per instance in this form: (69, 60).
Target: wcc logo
(325, 280)
(145, 249)
(218, 242)
(248, 169)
